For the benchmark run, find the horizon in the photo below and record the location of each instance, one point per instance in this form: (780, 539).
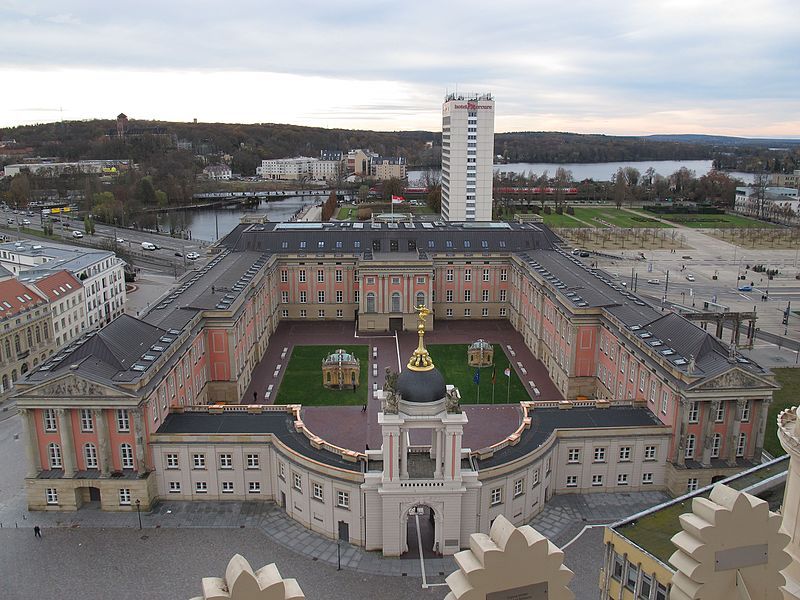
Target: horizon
(720, 67)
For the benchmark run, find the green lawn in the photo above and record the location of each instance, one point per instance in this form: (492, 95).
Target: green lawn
(302, 381)
(617, 217)
(451, 360)
(726, 221)
(347, 212)
(785, 397)
(555, 220)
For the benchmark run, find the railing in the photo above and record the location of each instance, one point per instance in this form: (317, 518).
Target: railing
(238, 408)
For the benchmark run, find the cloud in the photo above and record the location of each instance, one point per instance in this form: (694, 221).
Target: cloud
(548, 63)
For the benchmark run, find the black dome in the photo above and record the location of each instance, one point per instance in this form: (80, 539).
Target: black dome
(421, 386)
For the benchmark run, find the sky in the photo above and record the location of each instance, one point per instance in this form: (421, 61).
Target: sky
(627, 67)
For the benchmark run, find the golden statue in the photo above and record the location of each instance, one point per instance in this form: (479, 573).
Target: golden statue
(421, 360)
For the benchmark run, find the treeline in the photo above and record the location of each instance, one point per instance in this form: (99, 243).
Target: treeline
(759, 160)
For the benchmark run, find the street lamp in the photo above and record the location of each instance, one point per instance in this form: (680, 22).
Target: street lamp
(139, 512)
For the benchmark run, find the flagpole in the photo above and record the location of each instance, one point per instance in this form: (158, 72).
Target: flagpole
(508, 392)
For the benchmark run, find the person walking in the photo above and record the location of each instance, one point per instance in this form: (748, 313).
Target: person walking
(37, 531)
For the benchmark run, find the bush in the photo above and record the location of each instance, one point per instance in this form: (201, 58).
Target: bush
(570, 210)
(547, 210)
(559, 210)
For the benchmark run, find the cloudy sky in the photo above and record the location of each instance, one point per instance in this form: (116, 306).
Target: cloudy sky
(588, 66)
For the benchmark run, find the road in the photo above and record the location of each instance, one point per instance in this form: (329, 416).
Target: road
(163, 260)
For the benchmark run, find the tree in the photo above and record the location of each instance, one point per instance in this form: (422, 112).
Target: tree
(560, 183)
(759, 193)
(363, 193)
(620, 188)
(434, 198)
(19, 194)
(542, 182)
(393, 187)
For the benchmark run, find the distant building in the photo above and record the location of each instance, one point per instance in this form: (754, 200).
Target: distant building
(467, 157)
(789, 180)
(291, 169)
(67, 305)
(359, 162)
(217, 172)
(54, 169)
(123, 130)
(100, 271)
(384, 167)
(779, 204)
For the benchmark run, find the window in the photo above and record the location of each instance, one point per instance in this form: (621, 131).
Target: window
(691, 484)
(338, 275)
(172, 461)
(503, 274)
(123, 420)
(301, 275)
(622, 479)
(741, 444)
(689, 452)
(317, 492)
(574, 455)
(199, 461)
(518, 487)
(746, 411)
(503, 295)
(448, 312)
(535, 477)
(87, 420)
(252, 461)
(661, 591)
(303, 297)
(200, 487)
(282, 471)
(126, 456)
(320, 276)
(303, 313)
(284, 276)
(484, 312)
(486, 274)
(298, 482)
(449, 275)
(90, 456)
(572, 481)
(599, 455)
(285, 297)
(625, 453)
(485, 296)
(174, 487)
(632, 576)
(54, 456)
(694, 412)
(342, 499)
(719, 417)
(716, 442)
(225, 461)
(467, 312)
(321, 297)
(49, 419)
(467, 274)
(51, 495)
(448, 296)
(467, 295)
(339, 296)
(370, 302)
(496, 496)
(254, 487)
(597, 480)
(647, 478)
(503, 312)
(618, 568)
(649, 452)
(396, 302)
(321, 313)
(285, 313)
(645, 587)
(124, 496)
(227, 487)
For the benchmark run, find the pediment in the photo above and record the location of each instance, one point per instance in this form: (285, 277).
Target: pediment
(735, 379)
(72, 386)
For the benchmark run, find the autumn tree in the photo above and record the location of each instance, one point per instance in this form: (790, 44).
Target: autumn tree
(19, 194)
(561, 182)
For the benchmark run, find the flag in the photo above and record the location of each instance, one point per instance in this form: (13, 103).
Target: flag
(494, 375)
(507, 372)
(397, 199)
(477, 377)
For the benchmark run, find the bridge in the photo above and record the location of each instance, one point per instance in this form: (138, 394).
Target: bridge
(250, 196)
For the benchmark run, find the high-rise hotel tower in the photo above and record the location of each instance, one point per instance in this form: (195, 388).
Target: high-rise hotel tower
(467, 157)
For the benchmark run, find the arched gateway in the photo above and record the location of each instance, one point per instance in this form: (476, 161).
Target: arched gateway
(425, 475)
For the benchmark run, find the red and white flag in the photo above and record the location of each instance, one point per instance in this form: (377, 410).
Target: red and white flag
(398, 199)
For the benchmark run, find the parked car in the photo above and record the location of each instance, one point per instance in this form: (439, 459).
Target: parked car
(584, 254)
(689, 277)
(192, 255)
(654, 281)
(26, 221)
(745, 288)
(77, 234)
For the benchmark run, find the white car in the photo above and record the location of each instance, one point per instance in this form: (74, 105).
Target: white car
(689, 277)
(192, 255)
(120, 241)
(26, 221)
(77, 234)
(654, 281)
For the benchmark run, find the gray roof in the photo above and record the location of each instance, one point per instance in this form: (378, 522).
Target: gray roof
(58, 257)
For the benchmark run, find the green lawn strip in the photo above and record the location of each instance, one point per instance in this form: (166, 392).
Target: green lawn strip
(617, 218)
(555, 220)
(451, 360)
(302, 381)
(346, 212)
(725, 221)
(789, 379)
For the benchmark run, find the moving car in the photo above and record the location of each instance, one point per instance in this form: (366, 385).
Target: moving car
(148, 246)
(120, 241)
(689, 277)
(745, 288)
(179, 254)
(26, 221)
(654, 281)
(77, 234)
(192, 255)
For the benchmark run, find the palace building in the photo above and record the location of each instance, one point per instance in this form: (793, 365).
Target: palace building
(155, 407)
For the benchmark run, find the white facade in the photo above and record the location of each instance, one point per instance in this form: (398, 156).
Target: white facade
(326, 169)
(218, 172)
(105, 291)
(467, 157)
(286, 168)
(67, 306)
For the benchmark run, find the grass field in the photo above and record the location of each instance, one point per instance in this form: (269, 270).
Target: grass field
(451, 360)
(302, 382)
(347, 212)
(617, 218)
(726, 221)
(554, 220)
(784, 398)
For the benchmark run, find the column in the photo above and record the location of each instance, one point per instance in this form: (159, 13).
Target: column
(437, 446)
(733, 437)
(758, 427)
(31, 442)
(708, 415)
(138, 428)
(103, 451)
(67, 444)
(403, 454)
(680, 454)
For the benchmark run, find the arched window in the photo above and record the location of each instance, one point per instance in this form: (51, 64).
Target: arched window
(420, 299)
(371, 302)
(90, 455)
(8, 349)
(35, 361)
(126, 456)
(17, 346)
(46, 331)
(54, 454)
(13, 375)
(23, 369)
(4, 387)
(396, 302)
(29, 335)
(38, 335)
